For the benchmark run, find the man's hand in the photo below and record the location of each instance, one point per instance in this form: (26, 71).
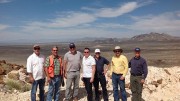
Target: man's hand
(65, 75)
(142, 81)
(31, 79)
(49, 79)
(91, 80)
(122, 78)
(105, 71)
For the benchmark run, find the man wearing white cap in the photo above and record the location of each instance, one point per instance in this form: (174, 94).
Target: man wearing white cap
(100, 75)
(36, 72)
(119, 69)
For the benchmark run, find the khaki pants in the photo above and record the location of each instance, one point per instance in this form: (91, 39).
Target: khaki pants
(136, 88)
(72, 78)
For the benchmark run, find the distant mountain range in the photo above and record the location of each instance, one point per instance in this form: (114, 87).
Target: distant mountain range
(142, 37)
(154, 37)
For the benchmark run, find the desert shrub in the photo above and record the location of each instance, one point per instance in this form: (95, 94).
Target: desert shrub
(26, 87)
(12, 84)
(20, 86)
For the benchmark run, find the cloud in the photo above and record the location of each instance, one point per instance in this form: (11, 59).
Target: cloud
(5, 1)
(115, 12)
(168, 22)
(3, 27)
(74, 19)
(164, 22)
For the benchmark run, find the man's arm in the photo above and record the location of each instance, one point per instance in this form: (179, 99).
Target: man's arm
(65, 65)
(145, 70)
(107, 66)
(126, 68)
(93, 73)
(29, 70)
(46, 65)
(65, 68)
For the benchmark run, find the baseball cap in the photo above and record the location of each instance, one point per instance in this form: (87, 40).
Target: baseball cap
(97, 51)
(72, 45)
(137, 49)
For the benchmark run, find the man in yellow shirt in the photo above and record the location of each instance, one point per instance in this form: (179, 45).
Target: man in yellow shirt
(119, 69)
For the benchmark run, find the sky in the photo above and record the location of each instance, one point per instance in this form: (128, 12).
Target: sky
(67, 20)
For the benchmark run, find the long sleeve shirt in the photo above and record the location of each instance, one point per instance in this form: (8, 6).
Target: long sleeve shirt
(138, 66)
(119, 65)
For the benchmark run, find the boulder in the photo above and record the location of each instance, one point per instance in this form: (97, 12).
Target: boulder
(16, 67)
(1, 79)
(13, 75)
(167, 71)
(2, 70)
(159, 81)
(3, 61)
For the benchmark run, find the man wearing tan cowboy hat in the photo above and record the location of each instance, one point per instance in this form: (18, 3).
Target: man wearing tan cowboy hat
(119, 69)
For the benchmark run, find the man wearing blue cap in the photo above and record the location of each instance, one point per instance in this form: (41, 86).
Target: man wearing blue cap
(139, 73)
(72, 66)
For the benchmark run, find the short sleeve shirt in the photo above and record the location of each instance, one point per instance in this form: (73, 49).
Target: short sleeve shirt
(100, 64)
(35, 66)
(56, 65)
(87, 66)
(73, 61)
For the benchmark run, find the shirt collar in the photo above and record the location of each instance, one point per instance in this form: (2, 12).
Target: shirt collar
(137, 58)
(57, 57)
(36, 55)
(71, 53)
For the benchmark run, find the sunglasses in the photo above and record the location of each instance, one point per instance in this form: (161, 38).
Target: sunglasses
(36, 48)
(55, 50)
(86, 52)
(97, 53)
(117, 51)
(72, 47)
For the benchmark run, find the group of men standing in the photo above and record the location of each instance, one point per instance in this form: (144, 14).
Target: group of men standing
(54, 69)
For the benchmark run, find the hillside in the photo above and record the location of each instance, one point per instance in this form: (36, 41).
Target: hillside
(154, 37)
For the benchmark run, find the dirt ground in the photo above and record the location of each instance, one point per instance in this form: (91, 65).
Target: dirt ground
(161, 54)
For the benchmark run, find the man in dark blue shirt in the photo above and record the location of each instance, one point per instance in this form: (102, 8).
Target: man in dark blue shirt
(100, 75)
(139, 73)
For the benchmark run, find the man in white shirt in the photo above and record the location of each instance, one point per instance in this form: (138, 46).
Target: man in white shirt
(35, 70)
(88, 72)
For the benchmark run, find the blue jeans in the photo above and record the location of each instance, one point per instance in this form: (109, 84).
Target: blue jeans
(116, 81)
(41, 84)
(54, 88)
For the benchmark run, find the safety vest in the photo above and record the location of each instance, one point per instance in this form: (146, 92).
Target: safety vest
(51, 66)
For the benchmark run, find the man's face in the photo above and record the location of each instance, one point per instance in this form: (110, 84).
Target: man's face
(37, 50)
(86, 53)
(117, 52)
(137, 54)
(97, 55)
(55, 51)
(72, 49)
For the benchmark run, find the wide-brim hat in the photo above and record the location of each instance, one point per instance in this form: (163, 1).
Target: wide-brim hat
(117, 48)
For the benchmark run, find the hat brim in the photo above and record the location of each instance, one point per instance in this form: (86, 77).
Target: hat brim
(118, 49)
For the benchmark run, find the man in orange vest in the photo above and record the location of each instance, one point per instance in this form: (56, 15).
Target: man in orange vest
(54, 72)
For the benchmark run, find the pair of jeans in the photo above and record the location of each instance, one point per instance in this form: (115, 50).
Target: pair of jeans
(88, 87)
(41, 83)
(72, 78)
(136, 87)
(121, 83)
(100, 78)
(54, 88)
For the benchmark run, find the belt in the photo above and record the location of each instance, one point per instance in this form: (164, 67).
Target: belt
(117, 74)
(136, 74)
